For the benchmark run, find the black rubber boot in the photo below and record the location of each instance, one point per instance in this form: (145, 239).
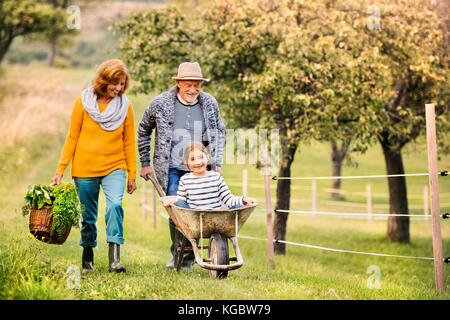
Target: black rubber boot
(171, 263)
(87, 260)
(188, 256)
(188, 260)
(114, 258)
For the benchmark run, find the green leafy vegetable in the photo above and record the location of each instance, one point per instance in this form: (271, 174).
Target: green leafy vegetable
(36, 197)
(66, 208)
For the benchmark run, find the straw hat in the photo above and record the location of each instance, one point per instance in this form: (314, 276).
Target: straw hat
(190, 71)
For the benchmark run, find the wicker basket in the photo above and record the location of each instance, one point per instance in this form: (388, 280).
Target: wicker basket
(41, 224)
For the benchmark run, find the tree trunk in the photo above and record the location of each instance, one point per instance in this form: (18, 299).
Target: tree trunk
(337, 156)
(51, 54)
(397, 227)
(4, 46)
(283, 197)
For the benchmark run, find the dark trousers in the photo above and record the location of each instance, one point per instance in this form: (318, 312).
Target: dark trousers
(172, 188)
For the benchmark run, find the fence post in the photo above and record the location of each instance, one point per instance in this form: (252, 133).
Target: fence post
(426, 210)
(154, 207)
(434, 192)
(369, 202)
(144, 201)
(268, 208)
(314, 197)
(244, 182)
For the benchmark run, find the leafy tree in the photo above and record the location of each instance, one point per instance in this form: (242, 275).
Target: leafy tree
(273, 64)
(411, 45)
(22, 17)
(314, 70)
(318, 86)
(59, 34)
(338, 154)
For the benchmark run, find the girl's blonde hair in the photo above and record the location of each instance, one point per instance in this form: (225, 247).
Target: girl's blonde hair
(195, 146)
(110, 72)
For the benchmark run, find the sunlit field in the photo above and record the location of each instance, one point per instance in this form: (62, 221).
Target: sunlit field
(34, 270)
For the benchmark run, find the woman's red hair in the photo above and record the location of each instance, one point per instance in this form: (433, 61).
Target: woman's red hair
(110, 72)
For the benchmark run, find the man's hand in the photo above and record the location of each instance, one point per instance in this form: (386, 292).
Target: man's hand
(56, 179)
(147, 170)
(131, 186)
(219, 170)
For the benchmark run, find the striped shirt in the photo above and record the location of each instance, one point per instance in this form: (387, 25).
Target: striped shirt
(206, 192)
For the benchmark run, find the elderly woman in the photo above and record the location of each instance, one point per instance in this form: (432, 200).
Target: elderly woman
(101, 145)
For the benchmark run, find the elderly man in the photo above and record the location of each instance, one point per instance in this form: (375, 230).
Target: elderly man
(180, 115)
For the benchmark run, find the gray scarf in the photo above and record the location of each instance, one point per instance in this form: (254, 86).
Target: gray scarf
(114, 114)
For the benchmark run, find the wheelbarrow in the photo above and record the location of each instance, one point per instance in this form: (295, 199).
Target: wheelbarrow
(217, 225)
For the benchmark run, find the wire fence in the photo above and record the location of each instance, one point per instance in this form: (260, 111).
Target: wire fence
(446, 260)
(441, 173)
(344, 214)
(336, 250)
(432, 174)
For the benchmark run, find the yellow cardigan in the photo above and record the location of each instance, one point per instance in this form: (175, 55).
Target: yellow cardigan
(97, 152)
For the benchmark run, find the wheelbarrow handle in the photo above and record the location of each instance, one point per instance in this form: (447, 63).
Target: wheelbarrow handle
(158, 188)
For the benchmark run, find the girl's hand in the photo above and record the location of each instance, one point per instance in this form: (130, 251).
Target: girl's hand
(131, 186)
(56, 179)
(167, 203)
(248, 201)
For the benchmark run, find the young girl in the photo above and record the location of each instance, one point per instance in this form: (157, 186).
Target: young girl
(202, 189)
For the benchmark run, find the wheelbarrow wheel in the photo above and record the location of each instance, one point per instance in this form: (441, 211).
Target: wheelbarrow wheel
(218, 253)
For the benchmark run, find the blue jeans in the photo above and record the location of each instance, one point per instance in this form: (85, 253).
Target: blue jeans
(172, 185)
(174, 180)
(88, 189)
(172, 188)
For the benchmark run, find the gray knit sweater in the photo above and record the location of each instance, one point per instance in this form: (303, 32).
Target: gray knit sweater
(159, 115)
(188, 126)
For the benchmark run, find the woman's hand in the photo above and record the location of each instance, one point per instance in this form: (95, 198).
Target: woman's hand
(56, 179)
(248, 201)
(131, 186)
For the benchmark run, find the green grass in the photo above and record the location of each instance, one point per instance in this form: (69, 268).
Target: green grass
(30, 269)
